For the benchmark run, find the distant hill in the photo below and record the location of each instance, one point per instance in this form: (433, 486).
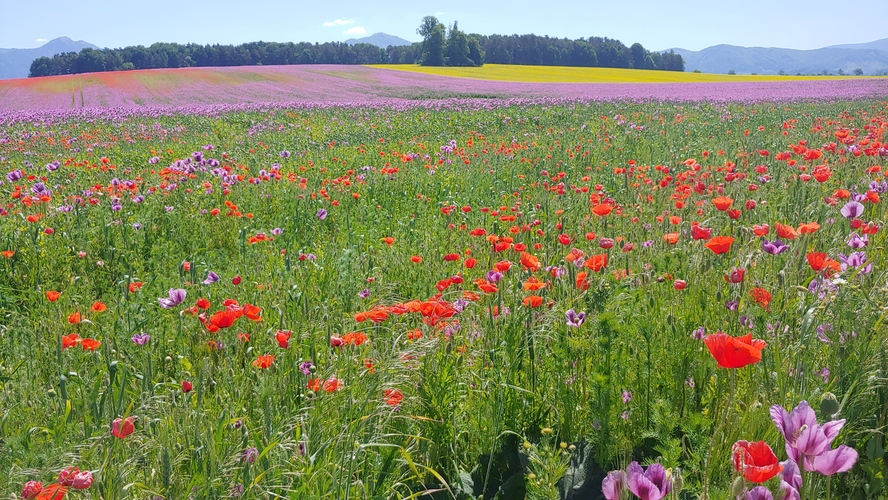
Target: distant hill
(871, 58)
(381, 40)
(15, 63)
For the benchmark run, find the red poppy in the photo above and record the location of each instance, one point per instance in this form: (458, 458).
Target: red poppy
(761, 296)
(720, 244)
(755, 461)
(735, 276)
(700, 233)
(819, 261)
(670, 238)
(52, 295)
(581, 282)
(502, 266)
(283, 338)
(356, 338)
(89, 344)
(734, 352)
(722, 203)
(785, 232)
(99, 307)
(416, 259)
(7, 253)
(75, 318)
(253, 313)
(389, 240)
(532, 301)
(332, 384)
(530, 262)
(602, 209)
(808, 227)
(187, 386)
(533, 284)
(52, 492)
(596, 262)
(203, 303)
(134, 287)
(224, 319)
(263, 361)
(392, 397)
(70, 340)
(470, 263)
(451, 257)
(485, 286)
(123, 427)
(314, 384)
(760, 229)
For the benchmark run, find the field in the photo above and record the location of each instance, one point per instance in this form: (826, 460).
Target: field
(436, 293)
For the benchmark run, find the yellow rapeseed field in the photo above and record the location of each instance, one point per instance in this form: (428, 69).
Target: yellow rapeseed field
(568, 74)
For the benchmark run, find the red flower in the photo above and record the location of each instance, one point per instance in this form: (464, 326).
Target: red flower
(253, 313)
(532, 301)
(451, 257)
(263, 361)
(187, 386)
(596, 262)
(785, 232)
(121, 428)
(236, 280)
(530, 262)
(89, 344)
(819, 261)
(722, 203)
(283, 338)
(99, 307)
(755, 461)
(52, 295)
(76, 478)
(70, 340)
(734, 352)
(700, 233)
(735, 276)
(75, 317)
(393, 397)
(51, 492)
(134, 287)
(720, 244)
(203, 303)
(332, 384)
(761, 296)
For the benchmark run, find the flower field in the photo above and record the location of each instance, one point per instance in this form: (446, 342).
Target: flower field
(355, 292)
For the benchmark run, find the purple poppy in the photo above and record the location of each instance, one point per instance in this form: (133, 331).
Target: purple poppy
(575, 319)
(176, 296)
(211, 278)
(613, 485)
(857, 242)
(790, 480)
(141, 338)
(322, 214)
(775, 247)
(305, 367)
(759, 493)
(651, 484)
(809, 441)
(852, 209)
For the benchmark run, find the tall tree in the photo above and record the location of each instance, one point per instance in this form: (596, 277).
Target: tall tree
(433, 41)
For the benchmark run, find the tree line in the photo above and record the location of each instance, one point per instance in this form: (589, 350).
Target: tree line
(441, 46)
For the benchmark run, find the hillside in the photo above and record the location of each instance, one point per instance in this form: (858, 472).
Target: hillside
(15, 63)
(381, 40)
(772, 61)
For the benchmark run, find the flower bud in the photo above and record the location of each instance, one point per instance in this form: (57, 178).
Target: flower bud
(829, 405)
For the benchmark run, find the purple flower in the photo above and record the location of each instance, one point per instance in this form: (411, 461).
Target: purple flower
(285, 154)
(176, 296)
(211, 278)
(650, 484)
(732, 305)
(852, 209)
(627, 396)
(856, 259)
(790, 480)
(141, 338)
(613, 485)
(305, 367)
(322, 214)
(699, 333)
(276, 231)
(494, 276)
(775, 247)
(250, 455)
(759, 493)
(575, 319)
(857, 242)
(364, 293)
(809, 442)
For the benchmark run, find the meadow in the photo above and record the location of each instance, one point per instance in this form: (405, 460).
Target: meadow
(540, 297)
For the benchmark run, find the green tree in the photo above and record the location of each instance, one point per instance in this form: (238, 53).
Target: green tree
(457, 47)
(433, 40)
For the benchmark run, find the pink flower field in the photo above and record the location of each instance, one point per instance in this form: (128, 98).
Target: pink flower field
(332, 84)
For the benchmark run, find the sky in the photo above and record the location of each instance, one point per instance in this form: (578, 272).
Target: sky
(657, 25)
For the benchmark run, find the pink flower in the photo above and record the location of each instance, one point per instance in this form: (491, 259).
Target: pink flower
(75, 478)
(121, 428)
(32, 489)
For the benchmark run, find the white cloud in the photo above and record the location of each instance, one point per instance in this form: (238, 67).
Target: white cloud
(357, 30)
(439, 14)
(41, 40)
(338, 22)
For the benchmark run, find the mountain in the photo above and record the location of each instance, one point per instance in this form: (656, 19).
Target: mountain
(380, 40)
(15, 63)
(870, 58)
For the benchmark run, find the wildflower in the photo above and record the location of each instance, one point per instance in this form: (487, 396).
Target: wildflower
(613, 484)
(321, 214)
(141, 338)
(135, 286)
(785, 232)
(596, 262)
(734, 352)
(761, 296)
(175, 297)
(31, 489)
(332, 384)
(680, 284)
(236, 280)
(7, 254)
(89, 344)
(393, 397)
(75, 318)
(99, 307)
(211, 278)
(75, 478)
(699, 333)
(651, 484)
(808, 442)
(759, 493)
(306, 367)
(70, 340)
(755, 461)
(250, 455)
(532, 301)
(121, 428)
(720, 244)
(735, 276)
(52, 295)
(263, 361)
(575, 319)
(187, 386)
(283, 338)
(852, 209)
(626, 396)
(775, 247)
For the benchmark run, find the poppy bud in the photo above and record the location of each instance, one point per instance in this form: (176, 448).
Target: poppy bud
(737, 487)
(829, 405)
(677, 480)
(187, 386)
(236, 280)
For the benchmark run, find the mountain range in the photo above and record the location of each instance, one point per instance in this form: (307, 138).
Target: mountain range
(869, 58)
(16, 63)
(381, 40)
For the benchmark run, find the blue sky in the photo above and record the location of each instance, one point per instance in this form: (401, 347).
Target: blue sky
(689, 24)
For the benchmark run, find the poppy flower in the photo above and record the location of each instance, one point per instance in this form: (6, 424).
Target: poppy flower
(33, 488)
(722, 203)
(596, 262)
(533, 284)
(734, 352)
(735, 276)
(355, 338)
(52, 295)
(75, 318)
(755, 461)
(99, 307)
(416, 259)
(134, 287)
(760, 296)
(760, 229)
(253, 313)
(581, 282)
(485, 286)
(123, 427)
(263, 361)
(7, 253)
(70, 340)
(52, 492)
(470, 263)
(785, 232)
(530, 262)
(224, 319)
(819, 261)
(187, 386)
(602, 209)
(332, 384)
(670, 238)
(393, 397)
(203, 303)
(700, 233)
(720, 244)
(89, 344)
(388, 240)
(502, 266)
(808, 228)
(283, 338)
(450, 257)
(314, 384)
(532, 301)
(75, 478)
